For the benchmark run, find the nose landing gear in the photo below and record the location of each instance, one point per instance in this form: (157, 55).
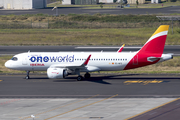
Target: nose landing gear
(27, 76)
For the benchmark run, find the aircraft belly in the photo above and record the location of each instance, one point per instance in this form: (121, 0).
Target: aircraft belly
(112, 67)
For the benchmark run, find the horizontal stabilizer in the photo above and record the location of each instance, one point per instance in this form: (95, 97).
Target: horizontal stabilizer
(152, 59)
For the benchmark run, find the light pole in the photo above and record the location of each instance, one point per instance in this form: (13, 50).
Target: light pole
(56, 10)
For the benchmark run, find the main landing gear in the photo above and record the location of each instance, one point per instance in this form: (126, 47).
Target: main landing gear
(79, 78)
(27, 76)
(86, 76)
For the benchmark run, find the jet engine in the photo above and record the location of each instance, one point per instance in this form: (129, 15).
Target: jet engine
(56, 73)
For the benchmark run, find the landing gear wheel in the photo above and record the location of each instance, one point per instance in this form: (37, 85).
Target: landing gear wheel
(27, 77)
(79, 78)
(87, 75)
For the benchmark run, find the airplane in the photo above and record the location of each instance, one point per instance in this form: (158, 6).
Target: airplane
(62, 64)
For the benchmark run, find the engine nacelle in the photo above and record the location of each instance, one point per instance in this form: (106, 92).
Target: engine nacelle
(56, 73)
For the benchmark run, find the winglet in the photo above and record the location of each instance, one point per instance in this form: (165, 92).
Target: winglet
(121, 48)
(87, 60)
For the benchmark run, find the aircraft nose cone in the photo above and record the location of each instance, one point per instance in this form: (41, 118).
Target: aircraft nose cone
(7, 64)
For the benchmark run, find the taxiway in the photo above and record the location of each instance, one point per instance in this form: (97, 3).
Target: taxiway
(104, 96)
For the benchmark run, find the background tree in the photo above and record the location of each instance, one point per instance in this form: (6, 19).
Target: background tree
(101, 5)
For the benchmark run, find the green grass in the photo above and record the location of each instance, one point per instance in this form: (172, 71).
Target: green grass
(84, 21)
(136, 36)
(77, 17)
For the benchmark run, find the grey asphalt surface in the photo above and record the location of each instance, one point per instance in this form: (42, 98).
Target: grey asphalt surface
(109, 108)
(20, 49)
(75, 10)
(103, 96)
(126, 86)
(166, 112)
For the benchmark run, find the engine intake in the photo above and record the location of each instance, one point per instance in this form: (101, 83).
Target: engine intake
(54, 73)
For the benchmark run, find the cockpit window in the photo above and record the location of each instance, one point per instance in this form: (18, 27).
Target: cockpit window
(14, 59)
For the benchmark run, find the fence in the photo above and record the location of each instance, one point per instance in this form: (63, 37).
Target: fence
(80, 25)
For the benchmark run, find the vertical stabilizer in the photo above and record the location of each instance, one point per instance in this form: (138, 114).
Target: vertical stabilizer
(156, 42)
(152, 50)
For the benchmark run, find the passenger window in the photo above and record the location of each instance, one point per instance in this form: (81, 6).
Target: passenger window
(14, 59)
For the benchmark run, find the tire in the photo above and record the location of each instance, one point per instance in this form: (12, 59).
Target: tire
(27, 77)
(79, 78)
(87, 75)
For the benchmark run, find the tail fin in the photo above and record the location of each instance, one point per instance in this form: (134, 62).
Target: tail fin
(152, 50)
(156, 42)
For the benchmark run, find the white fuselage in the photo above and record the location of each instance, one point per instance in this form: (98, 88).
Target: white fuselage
(99, 61)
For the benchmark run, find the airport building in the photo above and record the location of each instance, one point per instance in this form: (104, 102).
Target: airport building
(22, 4)
(106, 1)
(134, 1)
(67, 2)
(155, 1)
(80, 2)
(32, 4)
(88, 2)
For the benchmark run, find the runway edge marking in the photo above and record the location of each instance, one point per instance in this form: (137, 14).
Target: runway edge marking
(59, 107)
(81, 107)
(152, 109)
